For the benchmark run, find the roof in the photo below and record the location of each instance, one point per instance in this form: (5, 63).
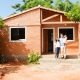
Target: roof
(37, 7)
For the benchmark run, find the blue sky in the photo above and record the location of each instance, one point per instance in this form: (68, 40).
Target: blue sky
(6, 9)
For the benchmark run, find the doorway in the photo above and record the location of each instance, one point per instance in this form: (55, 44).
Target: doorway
(48, 40)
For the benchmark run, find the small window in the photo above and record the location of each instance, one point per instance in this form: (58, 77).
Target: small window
(17, 34)
(68, 32)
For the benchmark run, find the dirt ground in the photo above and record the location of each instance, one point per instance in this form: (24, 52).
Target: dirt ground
(53, 70)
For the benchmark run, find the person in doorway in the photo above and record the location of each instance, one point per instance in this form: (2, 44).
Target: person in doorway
(57, 48)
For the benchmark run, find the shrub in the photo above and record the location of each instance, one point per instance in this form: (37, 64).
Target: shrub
(33, 57)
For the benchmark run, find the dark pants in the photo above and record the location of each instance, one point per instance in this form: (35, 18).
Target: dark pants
(57, 52)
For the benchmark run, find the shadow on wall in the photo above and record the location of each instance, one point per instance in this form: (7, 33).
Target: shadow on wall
(8, 49)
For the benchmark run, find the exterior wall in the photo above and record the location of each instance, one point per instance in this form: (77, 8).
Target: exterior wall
(32, 43)
(79, 38)
(32, 23)
(72, 44)
(12, 48)
(28, 18)
(34, 38)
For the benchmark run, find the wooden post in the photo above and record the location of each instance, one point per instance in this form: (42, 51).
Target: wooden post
(60, 18)
(79, 39)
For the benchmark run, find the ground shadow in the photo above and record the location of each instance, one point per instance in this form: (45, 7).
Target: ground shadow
(48, 53)
(71, 57)
(8, 68)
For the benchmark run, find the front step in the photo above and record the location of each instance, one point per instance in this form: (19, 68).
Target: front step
(51, 59)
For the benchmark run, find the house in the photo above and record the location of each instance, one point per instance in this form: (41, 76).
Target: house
(36, 29)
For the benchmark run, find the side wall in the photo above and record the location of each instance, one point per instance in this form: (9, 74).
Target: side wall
(32, 22)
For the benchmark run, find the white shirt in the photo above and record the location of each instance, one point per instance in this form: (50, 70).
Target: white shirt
(65, 39)
(61, 41)
(57, 44)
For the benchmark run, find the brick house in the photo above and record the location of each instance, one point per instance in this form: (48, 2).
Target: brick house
(36, 29)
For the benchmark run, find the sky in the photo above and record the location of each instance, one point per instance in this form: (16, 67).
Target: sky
(6, 9)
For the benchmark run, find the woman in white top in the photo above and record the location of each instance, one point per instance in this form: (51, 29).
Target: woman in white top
(57, 48)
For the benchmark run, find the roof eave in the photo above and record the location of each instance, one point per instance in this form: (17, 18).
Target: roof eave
(37, 7)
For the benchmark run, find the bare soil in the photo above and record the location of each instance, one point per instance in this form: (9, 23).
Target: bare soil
(55, 70)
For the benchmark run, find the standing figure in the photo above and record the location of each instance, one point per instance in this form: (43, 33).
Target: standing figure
(57, 48)
(61, 45)
(65, 44)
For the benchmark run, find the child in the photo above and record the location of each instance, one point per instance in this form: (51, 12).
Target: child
(57, 48)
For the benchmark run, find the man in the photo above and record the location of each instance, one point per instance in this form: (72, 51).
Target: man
(62, 45)
(65, 43)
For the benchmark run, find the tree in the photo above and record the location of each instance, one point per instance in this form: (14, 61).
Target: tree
(65, 5)
(32, 3)
(68, 6)
(1, 23)
(74, 14)
(59, 5)
(72, 9)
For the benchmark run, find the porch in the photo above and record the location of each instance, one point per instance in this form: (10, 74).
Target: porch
(53, 24)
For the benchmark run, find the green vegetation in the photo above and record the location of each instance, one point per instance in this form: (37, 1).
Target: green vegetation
(65, 5)
(32, 3)
(72, 9)
(33, 57)
(1, 23)
(74, 13)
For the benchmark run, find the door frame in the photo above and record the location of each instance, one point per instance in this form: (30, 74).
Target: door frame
(53, 38)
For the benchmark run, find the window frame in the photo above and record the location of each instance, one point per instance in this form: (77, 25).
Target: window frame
(68, 28)
(20, 40)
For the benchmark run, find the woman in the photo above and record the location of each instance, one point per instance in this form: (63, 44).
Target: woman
(57, 48)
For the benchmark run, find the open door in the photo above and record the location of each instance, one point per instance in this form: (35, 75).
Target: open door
(48, 41)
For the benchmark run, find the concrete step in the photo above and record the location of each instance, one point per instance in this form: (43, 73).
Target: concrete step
(51, 59)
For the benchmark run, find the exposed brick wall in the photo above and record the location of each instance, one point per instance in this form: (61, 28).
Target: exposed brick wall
(28, 18)
(31, 20)
(11, 48)
(33, 38)
(70, 45)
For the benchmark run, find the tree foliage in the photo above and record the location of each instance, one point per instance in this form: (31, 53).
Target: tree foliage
(32, 3)
(1, 23)
(72, 9)
(65, 5)
(74, 14)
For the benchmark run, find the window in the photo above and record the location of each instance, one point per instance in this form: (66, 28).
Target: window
(17, 34)
(67, 31)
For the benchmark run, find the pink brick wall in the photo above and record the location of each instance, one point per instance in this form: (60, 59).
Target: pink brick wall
(31, 20)
(28, 18)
